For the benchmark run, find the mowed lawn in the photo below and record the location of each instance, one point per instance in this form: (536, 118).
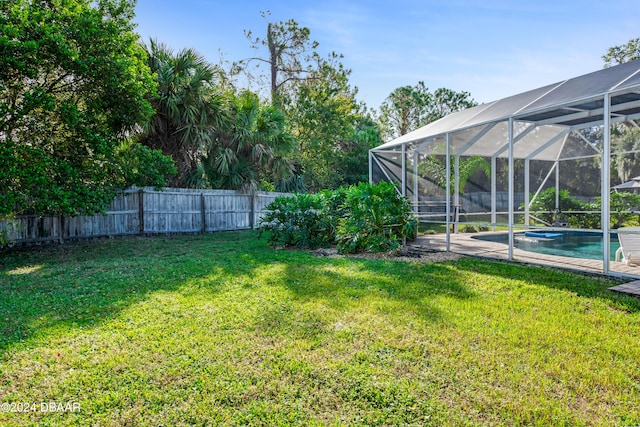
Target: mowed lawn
(219, 329)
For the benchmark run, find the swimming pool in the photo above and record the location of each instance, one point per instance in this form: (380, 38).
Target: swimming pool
(574, 244)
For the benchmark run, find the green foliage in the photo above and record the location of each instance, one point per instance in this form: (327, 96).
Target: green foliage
(544, 206)
(408, 108)
(294, 184)
(352, 154)
(253, 146)
(470, 229)
(217, 329)
(142, 166)
(623, 53)
(436, 170)
(378, 219)
(404, 110)
(188, 108)
(624, 207)
(571, 210)
(330, 128)
(333, 132)
(365, 217)
(73, 81)
(303, 220)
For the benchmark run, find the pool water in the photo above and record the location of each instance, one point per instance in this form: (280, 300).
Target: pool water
(574, 244)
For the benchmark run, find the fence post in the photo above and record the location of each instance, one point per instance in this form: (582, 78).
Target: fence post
(203, 210)
(61, 229)
(254, 201)
(141, 210)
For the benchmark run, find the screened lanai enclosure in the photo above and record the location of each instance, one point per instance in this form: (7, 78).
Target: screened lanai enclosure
(534, 174)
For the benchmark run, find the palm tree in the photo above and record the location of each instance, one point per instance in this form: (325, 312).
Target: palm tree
(254, 147)
(437, 171)
(188, 107)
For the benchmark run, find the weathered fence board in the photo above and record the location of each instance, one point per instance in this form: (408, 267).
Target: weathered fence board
(147, 211)
(227, 212)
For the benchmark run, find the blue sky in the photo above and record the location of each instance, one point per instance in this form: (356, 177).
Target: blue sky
(490, 48)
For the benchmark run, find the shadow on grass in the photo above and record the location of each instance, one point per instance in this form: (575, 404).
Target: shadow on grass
(87, 283)
(83, 284)
(339, 281)
(348, 297)
(587, 286)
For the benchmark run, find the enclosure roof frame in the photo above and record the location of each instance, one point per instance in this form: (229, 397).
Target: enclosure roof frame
(574, 103)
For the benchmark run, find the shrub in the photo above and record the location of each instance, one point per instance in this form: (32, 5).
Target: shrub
(469, 229)
(301, 220)
(359, 218)
(570, 209)
(378, 219)
(624, 208)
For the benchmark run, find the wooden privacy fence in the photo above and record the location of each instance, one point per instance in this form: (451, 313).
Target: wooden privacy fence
(147, 211)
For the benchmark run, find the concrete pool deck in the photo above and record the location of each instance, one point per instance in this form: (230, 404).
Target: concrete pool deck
(464, 243)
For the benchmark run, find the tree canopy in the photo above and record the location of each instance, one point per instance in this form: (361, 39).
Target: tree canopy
(86, 108)
(188, 107)
(629, 51)
(291, 57)
(73, 87)
(320, 107)
(410, 107)
(254, 146)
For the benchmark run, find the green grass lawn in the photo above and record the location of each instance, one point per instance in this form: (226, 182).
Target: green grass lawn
(221, 330)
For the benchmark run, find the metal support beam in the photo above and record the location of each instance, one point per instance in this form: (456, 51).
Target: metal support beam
(415, 180)
(456, 193)
(526, 192)
(494, 193)
(404, 170)
(555, 167)
(448, 195)
(511, 188)
(606, 179)
(544, 181)
(557, 204)
(596, 112)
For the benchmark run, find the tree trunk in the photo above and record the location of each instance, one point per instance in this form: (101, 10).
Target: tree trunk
(273, 61)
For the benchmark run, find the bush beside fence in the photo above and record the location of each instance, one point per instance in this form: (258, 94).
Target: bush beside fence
(143, 211)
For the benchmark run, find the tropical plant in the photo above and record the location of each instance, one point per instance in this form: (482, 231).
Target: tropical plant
(366, 217)
(253, 146)
(377, 219)
(624, 208)
(436, 170)
(570, 209)
(319, 105)
(303, 220)
(188, 108)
